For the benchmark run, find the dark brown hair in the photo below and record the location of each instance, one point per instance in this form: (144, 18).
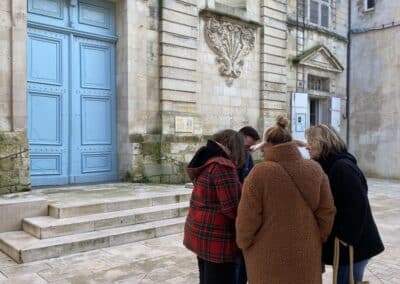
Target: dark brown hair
(250, 131)
(233, 141)
(278, 133)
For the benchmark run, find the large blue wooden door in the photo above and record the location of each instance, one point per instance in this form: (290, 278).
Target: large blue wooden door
(71, 91)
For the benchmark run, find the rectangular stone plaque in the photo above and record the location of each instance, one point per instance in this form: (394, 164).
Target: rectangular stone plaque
(183, 124)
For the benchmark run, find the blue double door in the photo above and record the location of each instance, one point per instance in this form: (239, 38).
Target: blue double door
(71, 91)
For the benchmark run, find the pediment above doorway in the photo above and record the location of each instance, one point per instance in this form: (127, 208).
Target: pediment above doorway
(319, 57)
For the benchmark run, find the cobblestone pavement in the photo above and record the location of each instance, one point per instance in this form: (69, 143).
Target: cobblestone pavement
(165, 260)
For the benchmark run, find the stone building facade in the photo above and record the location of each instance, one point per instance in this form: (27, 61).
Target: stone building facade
(129, 89)
(374, 85)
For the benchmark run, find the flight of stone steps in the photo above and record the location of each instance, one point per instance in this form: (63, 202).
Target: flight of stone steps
(103, 219)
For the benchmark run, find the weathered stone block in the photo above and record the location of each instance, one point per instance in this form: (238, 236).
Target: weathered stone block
(177, 73)
(181, 7)
(7, 165)
(180, 29)
(268, 31)
(177, 51)
(278, 15)
(178, 17)
(178, 40)
(8, 178)
(268, 58)
(274, 69)
(177, 62)
(272, 50)
(275, 5)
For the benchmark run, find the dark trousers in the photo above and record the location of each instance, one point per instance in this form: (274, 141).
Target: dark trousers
(216, 273)
(241, 276)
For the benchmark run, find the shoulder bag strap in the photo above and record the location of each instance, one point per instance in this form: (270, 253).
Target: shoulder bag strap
(336, 257)
(295, 184)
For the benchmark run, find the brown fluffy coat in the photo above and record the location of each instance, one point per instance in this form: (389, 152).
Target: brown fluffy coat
(281, 233)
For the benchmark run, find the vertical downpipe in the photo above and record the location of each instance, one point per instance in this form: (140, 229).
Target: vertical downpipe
(348, 75)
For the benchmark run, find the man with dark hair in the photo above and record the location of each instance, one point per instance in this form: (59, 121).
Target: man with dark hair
(250, 138)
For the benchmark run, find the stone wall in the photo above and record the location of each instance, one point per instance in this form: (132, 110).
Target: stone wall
(194, 99)
(14, 162)
(374, 85)
(225, 101)
(162, 159)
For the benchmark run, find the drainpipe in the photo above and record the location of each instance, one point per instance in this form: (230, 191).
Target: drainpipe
(348, 76)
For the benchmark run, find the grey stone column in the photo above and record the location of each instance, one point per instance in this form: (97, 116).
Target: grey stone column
(179, 30)
(274, 97)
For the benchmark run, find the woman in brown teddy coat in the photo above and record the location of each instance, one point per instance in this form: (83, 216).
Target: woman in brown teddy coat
(285, 213)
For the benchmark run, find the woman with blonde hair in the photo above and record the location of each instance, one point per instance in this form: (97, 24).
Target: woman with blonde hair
(354, 224)
(285, 213)
(210, 223)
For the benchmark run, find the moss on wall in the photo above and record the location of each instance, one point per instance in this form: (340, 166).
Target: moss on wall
(14, 162)
(162, 159)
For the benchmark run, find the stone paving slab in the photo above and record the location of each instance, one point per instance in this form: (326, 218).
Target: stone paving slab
(165, 260)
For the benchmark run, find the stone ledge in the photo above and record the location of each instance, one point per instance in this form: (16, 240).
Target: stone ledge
(229, 17)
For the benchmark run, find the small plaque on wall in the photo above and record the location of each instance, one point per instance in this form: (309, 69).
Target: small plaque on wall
(183, 124)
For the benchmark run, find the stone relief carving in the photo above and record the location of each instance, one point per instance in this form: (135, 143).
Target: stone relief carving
(231, 42)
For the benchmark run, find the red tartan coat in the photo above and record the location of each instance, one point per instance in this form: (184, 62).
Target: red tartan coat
(210, 224)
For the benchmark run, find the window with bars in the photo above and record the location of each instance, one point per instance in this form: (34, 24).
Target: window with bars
(319, 12)
(317, 83)
(369, 5)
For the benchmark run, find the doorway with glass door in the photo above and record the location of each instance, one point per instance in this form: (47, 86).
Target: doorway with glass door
(308, 110)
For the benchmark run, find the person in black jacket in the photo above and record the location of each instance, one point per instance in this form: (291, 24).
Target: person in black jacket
(250, 136)
(354, 223)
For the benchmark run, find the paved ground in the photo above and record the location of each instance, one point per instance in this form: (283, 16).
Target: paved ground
(165, 260)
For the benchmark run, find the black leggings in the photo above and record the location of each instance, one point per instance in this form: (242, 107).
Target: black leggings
(216, 273)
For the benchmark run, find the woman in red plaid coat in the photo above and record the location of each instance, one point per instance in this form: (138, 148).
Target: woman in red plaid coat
(210, 224)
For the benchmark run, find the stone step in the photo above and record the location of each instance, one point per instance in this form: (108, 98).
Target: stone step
(74, 208)
(23, 247)
(45, 227)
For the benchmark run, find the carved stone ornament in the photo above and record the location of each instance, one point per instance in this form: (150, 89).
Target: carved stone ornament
(231, 42)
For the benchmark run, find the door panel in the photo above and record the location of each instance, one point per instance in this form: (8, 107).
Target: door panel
(95, 58)
(48, 106)
(45, 60)
(93, 111)
(335, 113)
(53, 12)
(96, 121)
(45, 123)
(96, 17)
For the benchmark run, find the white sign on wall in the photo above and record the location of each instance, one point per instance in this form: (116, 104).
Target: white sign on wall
(299, 115)
(184, 124)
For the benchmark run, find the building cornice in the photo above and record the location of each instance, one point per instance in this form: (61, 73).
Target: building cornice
(212, 13)
(293, 23)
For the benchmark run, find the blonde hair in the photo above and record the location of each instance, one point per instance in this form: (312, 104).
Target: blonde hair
(327, 140)
(278, 133)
